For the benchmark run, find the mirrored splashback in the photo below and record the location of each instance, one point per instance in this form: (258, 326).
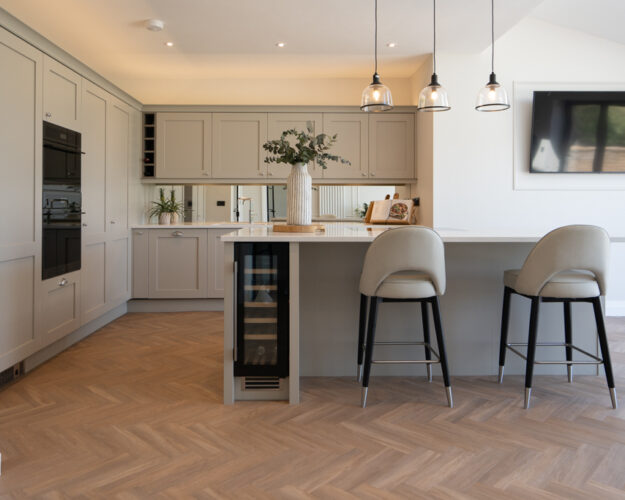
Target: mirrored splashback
(232, 203)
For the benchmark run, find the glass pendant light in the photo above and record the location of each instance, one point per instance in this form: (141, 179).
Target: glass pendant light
(434, 96)
(492, 97)
(377, 96)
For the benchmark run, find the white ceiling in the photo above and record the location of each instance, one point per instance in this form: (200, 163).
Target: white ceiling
(325, 38)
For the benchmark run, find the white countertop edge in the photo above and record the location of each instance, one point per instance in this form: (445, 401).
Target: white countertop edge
(193, 225)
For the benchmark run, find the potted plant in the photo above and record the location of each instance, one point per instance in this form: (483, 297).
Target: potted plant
(306, 147)
(166, 210)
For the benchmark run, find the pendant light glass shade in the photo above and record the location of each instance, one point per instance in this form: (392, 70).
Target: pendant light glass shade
(433, 97)
(492, 97)
(376, 97)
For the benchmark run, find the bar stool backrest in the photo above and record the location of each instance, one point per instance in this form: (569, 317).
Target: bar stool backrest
(568, 248)
(412, 248)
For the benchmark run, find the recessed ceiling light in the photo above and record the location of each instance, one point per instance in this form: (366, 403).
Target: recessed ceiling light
(391, 45)
(154, 25)
(280, 44)
(169, 44)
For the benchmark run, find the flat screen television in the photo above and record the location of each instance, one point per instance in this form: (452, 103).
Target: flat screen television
(578, 132)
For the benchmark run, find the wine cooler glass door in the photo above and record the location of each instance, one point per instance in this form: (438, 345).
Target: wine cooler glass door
(262, 306)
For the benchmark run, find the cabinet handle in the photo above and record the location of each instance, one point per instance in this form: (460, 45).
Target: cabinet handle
(372, 174)
(177, 233)
(63, 282)
(83, 213)
(269, 173)
(234, 309)
(364, 174)
(112, 222)
(84, 224)
(205, 173)
(48, 115)
(138, 233)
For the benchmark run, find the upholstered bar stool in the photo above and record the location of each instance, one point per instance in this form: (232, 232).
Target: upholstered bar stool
(567, 265)
(405, 264)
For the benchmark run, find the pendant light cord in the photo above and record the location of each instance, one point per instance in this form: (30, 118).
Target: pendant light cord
(434, 56)
(492, 36)
(375, 50)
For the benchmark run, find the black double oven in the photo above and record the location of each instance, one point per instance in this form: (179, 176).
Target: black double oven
(61, 204)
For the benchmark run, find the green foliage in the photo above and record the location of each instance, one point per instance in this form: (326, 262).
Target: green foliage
(306, 148)
(164, 205)
(362, 212)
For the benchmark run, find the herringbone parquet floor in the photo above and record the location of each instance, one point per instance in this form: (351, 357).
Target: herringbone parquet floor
(135, 411)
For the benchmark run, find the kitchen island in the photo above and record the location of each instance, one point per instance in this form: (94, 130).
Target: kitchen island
(324, 271)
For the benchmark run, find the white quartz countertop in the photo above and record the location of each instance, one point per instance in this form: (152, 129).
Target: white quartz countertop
(359, 232)
(196, 225)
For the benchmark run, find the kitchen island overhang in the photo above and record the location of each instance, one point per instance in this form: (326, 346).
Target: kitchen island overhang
(324, 271)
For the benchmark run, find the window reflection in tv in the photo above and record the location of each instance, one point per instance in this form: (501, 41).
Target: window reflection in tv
(578, 132)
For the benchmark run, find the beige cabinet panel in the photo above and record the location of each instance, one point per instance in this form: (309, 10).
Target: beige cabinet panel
(392, 146)
(118, 155)
(140, 270)
(61, 94)
(352, 130)
(93, 281)
(278, 123)
(177, 263)
(93, 179)
(183, 145)
(216, 262)
(237, 145)
(117, 279)
(60, 305)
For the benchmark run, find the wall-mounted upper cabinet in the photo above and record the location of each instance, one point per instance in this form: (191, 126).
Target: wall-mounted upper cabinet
(278, 123)
(238, 140)
(183, 145)
(391, 146)
(61, 94)
(352, 130)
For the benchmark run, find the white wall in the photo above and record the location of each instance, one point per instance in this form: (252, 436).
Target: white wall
(473, 161)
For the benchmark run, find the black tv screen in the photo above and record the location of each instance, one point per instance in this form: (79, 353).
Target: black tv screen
(578, 132)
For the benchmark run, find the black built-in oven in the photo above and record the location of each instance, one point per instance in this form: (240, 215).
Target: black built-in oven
(61, 204)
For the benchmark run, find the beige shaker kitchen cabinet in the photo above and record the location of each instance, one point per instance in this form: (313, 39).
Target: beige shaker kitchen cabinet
(216, 262)
(183, 145)
(392, 146)
(60, 306)
(61, 94)
(20, 203)
(177, 263)
(118, 157)
(237, 146)
(140, 265)
(278, 123)
(352, 130)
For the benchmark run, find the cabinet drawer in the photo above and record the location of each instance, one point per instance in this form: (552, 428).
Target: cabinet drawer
(60, 298)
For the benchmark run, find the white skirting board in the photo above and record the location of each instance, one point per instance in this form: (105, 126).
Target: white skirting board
(615, 307)
(174, 305)
(84, 331)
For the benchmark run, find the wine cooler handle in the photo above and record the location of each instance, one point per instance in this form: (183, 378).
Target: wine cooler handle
(234, 308)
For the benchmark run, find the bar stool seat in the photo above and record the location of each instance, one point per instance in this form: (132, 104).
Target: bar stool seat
(570, 284)
(406, 285)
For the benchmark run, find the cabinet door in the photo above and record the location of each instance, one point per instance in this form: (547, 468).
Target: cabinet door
(183, 145)
(60, 300)
(140, 269)
(352, 131)
(177, 261)
(391, 146)
(117, 276)
(278, 123)
(20, 203)
(61, 94)
(118, 154)
(216, 262)
(238, 140)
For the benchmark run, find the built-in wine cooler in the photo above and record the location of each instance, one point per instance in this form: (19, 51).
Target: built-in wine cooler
(262, 310)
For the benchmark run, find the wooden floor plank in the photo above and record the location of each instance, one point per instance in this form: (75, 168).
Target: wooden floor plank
(134, 412)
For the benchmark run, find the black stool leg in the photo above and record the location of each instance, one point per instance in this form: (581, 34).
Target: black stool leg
(568, 339)
(531, 350)
(373, 316)
(426, 337)
(362, 327)
(605, 350)
(505, 320)
(441, 349)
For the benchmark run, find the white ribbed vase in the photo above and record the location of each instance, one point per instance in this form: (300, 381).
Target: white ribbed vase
(299, 196)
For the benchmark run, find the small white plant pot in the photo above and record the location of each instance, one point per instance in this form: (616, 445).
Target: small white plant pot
(175, 218)
(164, 219)
(299, 196)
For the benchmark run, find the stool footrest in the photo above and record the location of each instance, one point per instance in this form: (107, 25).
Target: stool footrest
(405, 362)
(597, 360)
